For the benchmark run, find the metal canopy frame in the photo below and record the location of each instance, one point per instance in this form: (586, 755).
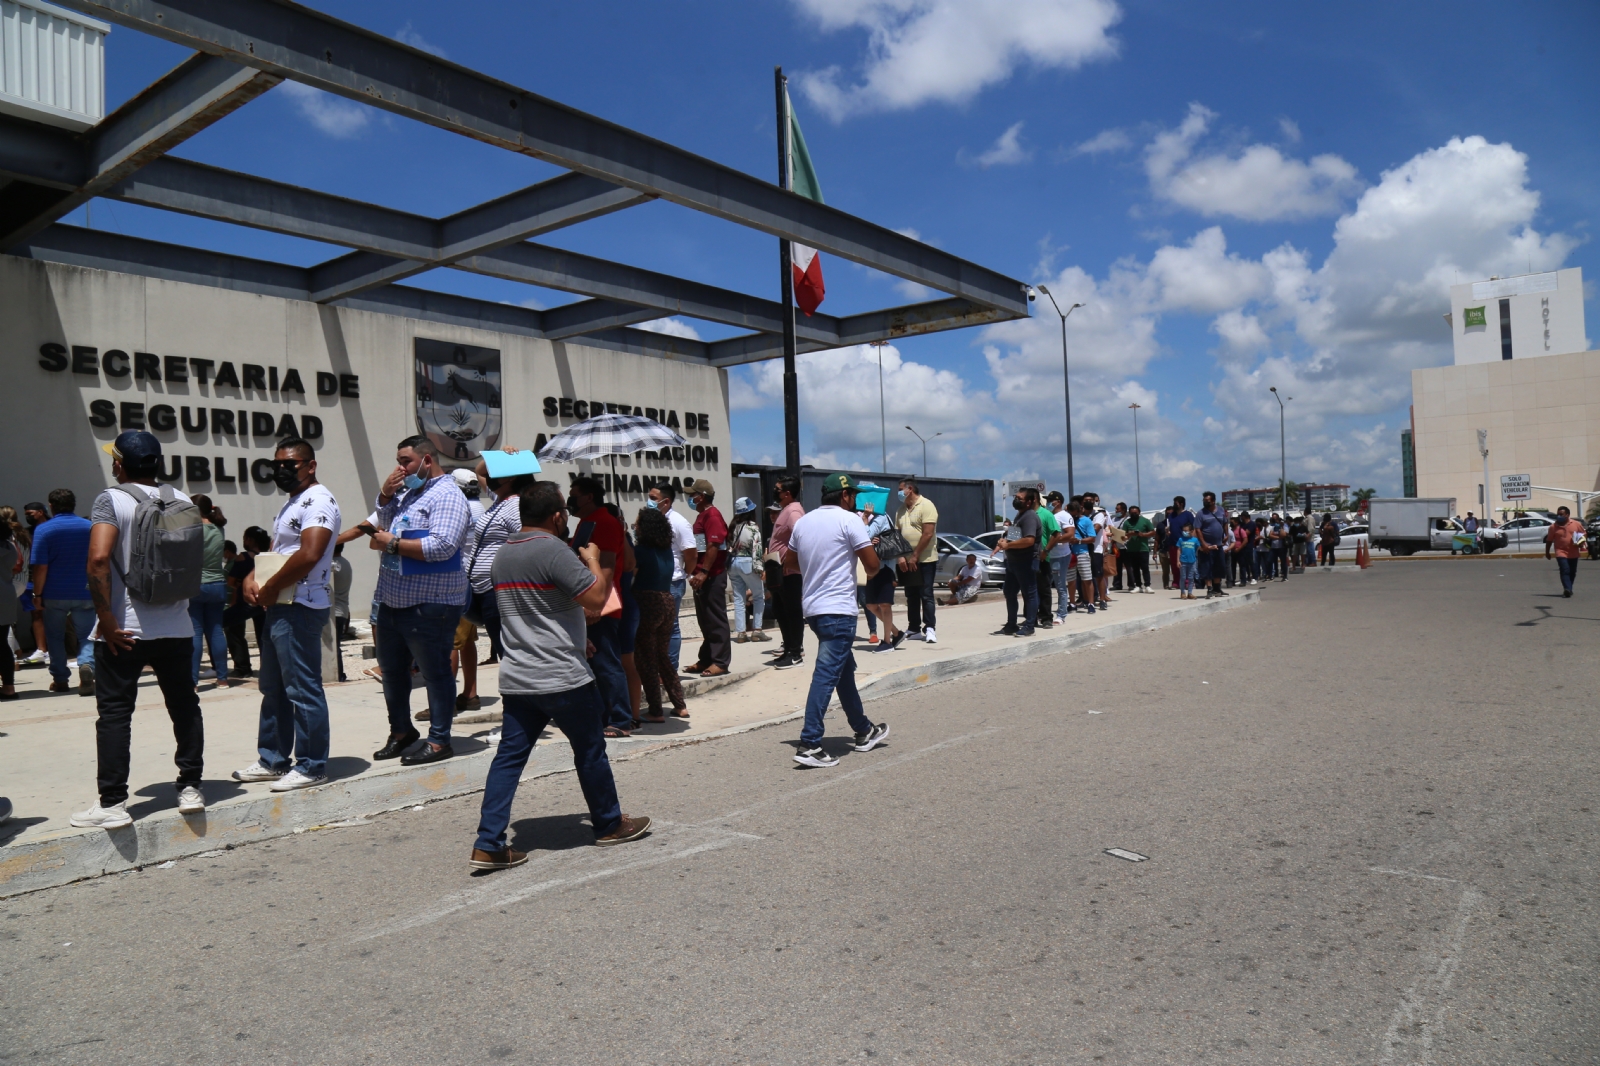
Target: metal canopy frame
(245, 47)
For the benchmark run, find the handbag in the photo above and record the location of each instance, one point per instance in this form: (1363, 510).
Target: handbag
(891, 545)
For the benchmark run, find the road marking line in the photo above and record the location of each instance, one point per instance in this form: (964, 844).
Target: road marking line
(1409, 873)
(505, 890)
(1420, 1014)
(840, 779)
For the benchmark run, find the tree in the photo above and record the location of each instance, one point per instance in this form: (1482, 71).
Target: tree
(1361, 496)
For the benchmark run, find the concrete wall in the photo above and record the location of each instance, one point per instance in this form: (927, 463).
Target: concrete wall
(1543, 418)
(50, 442)
(1546, 316)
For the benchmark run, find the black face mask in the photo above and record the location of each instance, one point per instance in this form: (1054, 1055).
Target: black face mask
(572, 505)
(1018, 503)
(286, 476)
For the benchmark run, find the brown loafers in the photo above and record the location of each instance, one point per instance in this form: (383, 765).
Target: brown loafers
(626, 830)
(497, 860)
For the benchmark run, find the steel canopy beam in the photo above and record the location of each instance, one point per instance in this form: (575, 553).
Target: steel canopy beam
(932, 317)
(100, 250)
(592, 316)
(294, 42)
(196, 93)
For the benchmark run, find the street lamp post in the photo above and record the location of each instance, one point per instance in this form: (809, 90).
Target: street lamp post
(883, 425)
(1138, 487)
(1283, 454)
(1066, 379)
(924, 441)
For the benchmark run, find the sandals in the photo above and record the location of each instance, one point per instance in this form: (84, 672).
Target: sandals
(680, 712)
(614, 733)
(655, 719)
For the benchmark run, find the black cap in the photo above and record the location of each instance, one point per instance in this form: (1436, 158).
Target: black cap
(138, 451)
(41, 508)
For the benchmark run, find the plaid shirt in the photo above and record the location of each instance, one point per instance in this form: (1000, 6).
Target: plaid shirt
(440, 508)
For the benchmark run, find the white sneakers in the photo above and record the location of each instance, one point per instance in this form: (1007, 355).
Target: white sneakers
(98, 817)
(929, 636)
(39, 656)
(256, 772)
(298, 778)
(190, 800)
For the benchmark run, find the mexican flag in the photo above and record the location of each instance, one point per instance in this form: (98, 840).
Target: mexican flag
(806, 263)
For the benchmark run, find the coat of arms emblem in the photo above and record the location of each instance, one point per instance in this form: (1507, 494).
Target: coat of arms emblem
(458, 397)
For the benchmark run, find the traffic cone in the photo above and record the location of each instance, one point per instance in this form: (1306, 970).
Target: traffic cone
(1362, 556)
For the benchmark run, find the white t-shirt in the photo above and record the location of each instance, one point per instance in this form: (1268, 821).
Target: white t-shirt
(1101, 520)
(973, 573)
(826, 541)
(312, 508)
(1064, 549)
(143, 621)
(682, 541)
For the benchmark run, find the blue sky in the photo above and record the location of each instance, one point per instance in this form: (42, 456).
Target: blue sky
(1242, 195)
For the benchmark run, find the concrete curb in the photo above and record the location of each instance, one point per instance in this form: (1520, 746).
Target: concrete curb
(69, 855)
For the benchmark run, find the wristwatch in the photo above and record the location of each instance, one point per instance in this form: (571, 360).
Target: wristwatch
(393, 547)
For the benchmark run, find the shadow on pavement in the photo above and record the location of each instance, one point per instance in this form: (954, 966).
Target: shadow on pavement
(556, 832)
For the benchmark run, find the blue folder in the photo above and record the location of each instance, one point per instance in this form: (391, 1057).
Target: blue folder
(501, 464)
(409, 566)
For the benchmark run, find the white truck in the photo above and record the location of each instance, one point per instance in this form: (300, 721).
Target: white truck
(1404, 526)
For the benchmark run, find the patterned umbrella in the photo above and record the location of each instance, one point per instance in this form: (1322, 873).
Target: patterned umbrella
(608, 435)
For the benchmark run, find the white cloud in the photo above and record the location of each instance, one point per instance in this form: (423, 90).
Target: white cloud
(948, 51)
(1007, 150)
(333, 115)
(1291, 130)
(1105, 141)
(672, 327)
(1242, 334)
(1259, 184)
(1202, 276)
(408, 34)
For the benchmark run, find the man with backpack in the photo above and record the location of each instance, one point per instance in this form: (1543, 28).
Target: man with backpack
(146, 549)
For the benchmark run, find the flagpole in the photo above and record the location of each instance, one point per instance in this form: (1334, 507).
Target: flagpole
(791, 380)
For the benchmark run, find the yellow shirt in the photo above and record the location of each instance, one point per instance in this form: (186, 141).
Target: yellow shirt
(910, 522)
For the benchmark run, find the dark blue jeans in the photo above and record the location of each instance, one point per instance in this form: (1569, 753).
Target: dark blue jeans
(205, 611)
(609, 675)
(294, 709)
(835, 669)
(1021, 578)
(56, 613)
(576, 713)
(424, 633)
(1569, 571)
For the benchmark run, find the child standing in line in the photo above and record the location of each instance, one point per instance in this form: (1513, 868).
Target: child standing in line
(1188, 563)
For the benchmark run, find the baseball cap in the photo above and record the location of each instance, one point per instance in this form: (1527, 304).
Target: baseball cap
(704, 487)
(464, 476)
(1055, 494)
(838, 482)
(744, 505)
(138, 451)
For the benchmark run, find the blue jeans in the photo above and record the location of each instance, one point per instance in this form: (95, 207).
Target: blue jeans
(755, 581)
(576, 713)
(424, 633)
(1188, 574)
(612, 680)
(205, 611)
(1567, 567)
(1020, 577)
(679, 589)
(56, 613)
(835, 669)
(1062, 572)
(294, 709)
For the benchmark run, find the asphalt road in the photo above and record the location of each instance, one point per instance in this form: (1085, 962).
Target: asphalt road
(1369, 807)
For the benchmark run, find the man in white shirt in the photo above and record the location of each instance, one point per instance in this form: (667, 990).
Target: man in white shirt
(965, 585)
(826, 544)
(130, 634)
(685, 557)
(1097, 553)
(294, 708)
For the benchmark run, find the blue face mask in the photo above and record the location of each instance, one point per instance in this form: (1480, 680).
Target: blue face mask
(692, 507)
(414, 482)
(902, 495)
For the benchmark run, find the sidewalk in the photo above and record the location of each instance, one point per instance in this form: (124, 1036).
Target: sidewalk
(49, 750)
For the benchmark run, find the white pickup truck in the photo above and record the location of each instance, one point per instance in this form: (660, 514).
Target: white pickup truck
(1404, 526)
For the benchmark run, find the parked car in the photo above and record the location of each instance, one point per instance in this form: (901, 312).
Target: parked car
(1353, 536)
(1442, 537)
(990, 539)
(1526, 534)
(953, 551)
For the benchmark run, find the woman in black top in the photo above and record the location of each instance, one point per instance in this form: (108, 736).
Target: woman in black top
(652, 589)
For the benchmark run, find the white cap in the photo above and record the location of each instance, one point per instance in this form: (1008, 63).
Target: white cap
(464, 476)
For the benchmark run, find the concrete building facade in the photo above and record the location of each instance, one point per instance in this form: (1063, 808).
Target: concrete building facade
(220, 375)
(1517, 317)
(1543, 418)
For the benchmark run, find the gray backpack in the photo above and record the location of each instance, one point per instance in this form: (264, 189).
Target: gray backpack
(166, 550)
